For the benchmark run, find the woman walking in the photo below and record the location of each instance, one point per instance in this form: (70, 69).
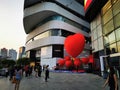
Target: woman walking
(18, 76)
(111, 80)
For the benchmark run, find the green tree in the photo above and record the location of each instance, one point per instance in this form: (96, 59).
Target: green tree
(8, 62)
(23, 61)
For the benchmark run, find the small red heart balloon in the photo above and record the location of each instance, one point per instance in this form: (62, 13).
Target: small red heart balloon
(61, 62)
(67, 58)
(85, 60)
(68, 64)
(77, 62)
(74, 44)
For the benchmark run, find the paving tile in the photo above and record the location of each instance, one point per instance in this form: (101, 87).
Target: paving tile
(57, 81)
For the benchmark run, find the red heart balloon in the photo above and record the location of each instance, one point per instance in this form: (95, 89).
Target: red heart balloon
(85, 60)
(67, 58)
(91, 59)
(68, 64)
(61, 62)
(77, 62)
(74, 44)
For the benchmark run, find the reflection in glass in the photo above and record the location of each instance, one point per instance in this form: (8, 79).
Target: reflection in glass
(106, 40)
(100, 42)
(117, 20)
(108, 27)
(95, 34)
(107, 16)
(43, 35)
(106, 7)
(111, 37)
(56, 32)
(117, 32)
(116, 7)
(113, 48)
(99, 30)
(118, 46)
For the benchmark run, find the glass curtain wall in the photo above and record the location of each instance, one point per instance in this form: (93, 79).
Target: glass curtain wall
(111, 26)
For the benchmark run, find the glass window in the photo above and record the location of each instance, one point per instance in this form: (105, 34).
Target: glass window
(117, 34)
(92, 35)
(100, 42)
(113, 48)
(93, 46)
(107, 49)
(99, 30)
(114, 1)
(57, 51)
(91, 26)
(29, 41)
(55, 32)
(43, 35)
(118, 46)
(46, 52)
(106, 7)
(28, 54)
(106, 40)
(111, 37)
(95, 34)
(114, 61)
(98, 19)
(107, 16)
(96, 45)
(117, 20)
(66, 33)
(94, 24)
(116, 7)
(108, 27)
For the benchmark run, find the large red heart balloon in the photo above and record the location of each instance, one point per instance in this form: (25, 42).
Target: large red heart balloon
(74, 44)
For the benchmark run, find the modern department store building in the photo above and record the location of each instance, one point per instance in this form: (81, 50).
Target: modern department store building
(48, 22)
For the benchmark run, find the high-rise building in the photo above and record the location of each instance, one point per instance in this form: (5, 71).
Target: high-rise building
(22, 52)
(4, 53)
(48, 23)
(12, 54)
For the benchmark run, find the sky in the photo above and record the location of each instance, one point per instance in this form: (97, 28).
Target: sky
(12, 35)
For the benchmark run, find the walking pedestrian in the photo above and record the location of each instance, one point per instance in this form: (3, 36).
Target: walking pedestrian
(18, 76)
(36, 71)
(111, 80)
(39, 70)
(46, 73)
(11, 72)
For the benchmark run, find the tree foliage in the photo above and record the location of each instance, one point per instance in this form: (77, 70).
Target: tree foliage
(8, 62)
(23, 61)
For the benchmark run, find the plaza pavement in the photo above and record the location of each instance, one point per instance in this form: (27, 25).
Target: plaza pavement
(57, 81)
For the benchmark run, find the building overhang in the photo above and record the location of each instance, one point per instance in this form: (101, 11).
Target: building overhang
(35, 14)
(30, 22)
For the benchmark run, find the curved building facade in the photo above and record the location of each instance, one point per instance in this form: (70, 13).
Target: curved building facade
(48, 23)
